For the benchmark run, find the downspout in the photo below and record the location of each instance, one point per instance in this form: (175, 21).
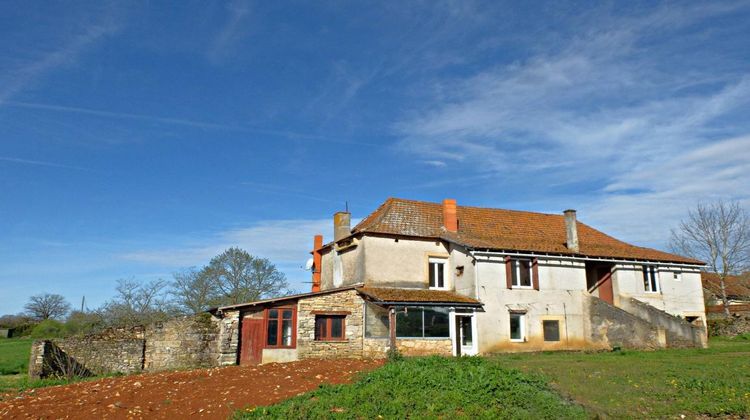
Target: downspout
(392, 327)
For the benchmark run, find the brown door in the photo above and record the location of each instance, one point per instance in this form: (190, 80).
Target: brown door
(605, 288)
(251, 348)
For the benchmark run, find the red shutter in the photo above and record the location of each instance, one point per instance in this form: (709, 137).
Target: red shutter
(508, 272)
(535, 273)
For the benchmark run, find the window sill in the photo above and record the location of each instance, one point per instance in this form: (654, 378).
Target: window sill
(344, 340)
(517, 341)
(439, 288)
(522, 288)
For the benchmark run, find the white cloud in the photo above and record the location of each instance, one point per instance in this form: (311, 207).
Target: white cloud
(601, 108)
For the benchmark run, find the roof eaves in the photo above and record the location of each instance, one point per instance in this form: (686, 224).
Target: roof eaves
(285, 298)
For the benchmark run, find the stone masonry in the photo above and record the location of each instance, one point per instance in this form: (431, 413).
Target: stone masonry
(348, 302)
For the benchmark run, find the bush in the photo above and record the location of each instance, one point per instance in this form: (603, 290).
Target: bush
(49, 328)
(81, 323)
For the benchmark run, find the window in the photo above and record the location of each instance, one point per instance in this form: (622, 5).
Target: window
(521, 273)
(551, 330)
(280, 327)
(517, 328)
(414, 322)
(437, 272)
(329, 327)
(650, 279)
(377, 323)
(677, 276)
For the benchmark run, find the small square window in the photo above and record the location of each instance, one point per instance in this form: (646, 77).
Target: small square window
(677, 276)
(551, 330)
(517, 328)
(329, 327)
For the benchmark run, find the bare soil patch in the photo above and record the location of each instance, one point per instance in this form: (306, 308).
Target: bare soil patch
(205, 393)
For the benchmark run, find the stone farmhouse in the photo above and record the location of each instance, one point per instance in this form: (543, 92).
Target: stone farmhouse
(438, 278)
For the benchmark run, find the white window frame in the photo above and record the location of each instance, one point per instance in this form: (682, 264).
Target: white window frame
(517, 270)
(439, 262)
(651, 275)
(522, 325)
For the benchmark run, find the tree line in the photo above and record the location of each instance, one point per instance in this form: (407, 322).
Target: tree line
(232, 277)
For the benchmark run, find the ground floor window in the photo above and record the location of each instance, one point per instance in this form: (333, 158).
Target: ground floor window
(376, 321)
(280, 327)
(414, 322)
(551, 330)
(329, 327)
(517, 326)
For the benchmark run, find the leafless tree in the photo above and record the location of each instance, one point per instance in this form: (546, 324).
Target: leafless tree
(137, 303)
(718, 234)
(194, 290)
(241, 277)
(46, 306)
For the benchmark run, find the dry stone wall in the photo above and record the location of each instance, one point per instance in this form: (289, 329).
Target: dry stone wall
(348, 302)
(188, 342)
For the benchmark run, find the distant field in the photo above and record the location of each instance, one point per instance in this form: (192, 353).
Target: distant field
(711, 382)
(14, 355)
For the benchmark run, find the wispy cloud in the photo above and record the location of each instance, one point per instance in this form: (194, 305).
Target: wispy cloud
(41, 163)
(237, 13)
(20, 72)
(598, 108)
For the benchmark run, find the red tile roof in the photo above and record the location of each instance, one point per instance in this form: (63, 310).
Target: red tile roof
(498, 229)
(736, 286)
(392, 294)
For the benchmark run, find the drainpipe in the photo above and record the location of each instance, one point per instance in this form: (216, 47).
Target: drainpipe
(392, 327)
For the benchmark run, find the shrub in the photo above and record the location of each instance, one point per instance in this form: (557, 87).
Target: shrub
(48, 328)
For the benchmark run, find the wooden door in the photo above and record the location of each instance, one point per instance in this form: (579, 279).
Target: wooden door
(605, 288)
(251, 347)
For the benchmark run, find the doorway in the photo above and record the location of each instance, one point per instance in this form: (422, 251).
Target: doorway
(464, 334)
(599, 281)
(251, 344)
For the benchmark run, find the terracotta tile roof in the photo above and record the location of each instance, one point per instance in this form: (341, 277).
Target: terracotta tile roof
(498, 229)
(736, 286)
(392, 294)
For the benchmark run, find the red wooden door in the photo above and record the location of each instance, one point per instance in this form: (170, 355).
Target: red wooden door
(605, 289)
(251, 350)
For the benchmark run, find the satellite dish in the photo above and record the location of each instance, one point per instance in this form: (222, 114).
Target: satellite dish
(309, 264)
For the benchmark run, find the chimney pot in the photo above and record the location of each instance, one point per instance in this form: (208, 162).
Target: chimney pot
(450, 217)
(571, 230)
(342, 221)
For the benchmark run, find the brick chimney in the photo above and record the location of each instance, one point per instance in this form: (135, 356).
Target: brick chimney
(450, 218)
(342, 225)
(317, 260)
(571, 230)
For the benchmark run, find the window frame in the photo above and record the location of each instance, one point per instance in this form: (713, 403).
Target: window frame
(329, 317)
(651, 279)
(438, 261)
(522, 327)
(516, 267)
(421, 309)
(279, 327)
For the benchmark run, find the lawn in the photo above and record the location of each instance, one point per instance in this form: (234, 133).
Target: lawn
(713, 382)
(431, 387)
(14, 355)
(637, 384)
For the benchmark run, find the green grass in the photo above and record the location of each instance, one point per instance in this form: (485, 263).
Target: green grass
(637, 384)
(14, 355)
(432, 387)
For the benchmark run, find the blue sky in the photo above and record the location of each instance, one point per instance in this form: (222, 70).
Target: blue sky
(138, 139)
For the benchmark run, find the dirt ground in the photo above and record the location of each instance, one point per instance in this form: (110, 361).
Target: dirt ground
(205, 393)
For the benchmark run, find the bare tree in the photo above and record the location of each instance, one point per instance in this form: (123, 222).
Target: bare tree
(137, 303)
(718, 234)
(194, 290)
(46, 306)
(241, 277)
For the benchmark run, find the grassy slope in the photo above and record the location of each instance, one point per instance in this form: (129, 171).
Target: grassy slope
(432, 387)
(14, 355)
(668, 383)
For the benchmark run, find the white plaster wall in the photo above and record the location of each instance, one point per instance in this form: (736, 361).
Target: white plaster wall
(463, 284)
(402, 263)
(279, 355)
(562, 286)
(678, 297)
(351, 262)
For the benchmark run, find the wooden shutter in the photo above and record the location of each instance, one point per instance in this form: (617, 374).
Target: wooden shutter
(508, 272)
(535, 273)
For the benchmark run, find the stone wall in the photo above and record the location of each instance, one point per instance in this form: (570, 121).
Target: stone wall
(425, 347)
(733, 326)
(187, 342)
(611, 327)
(112, 350)
(679, 332)
(348, 302)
